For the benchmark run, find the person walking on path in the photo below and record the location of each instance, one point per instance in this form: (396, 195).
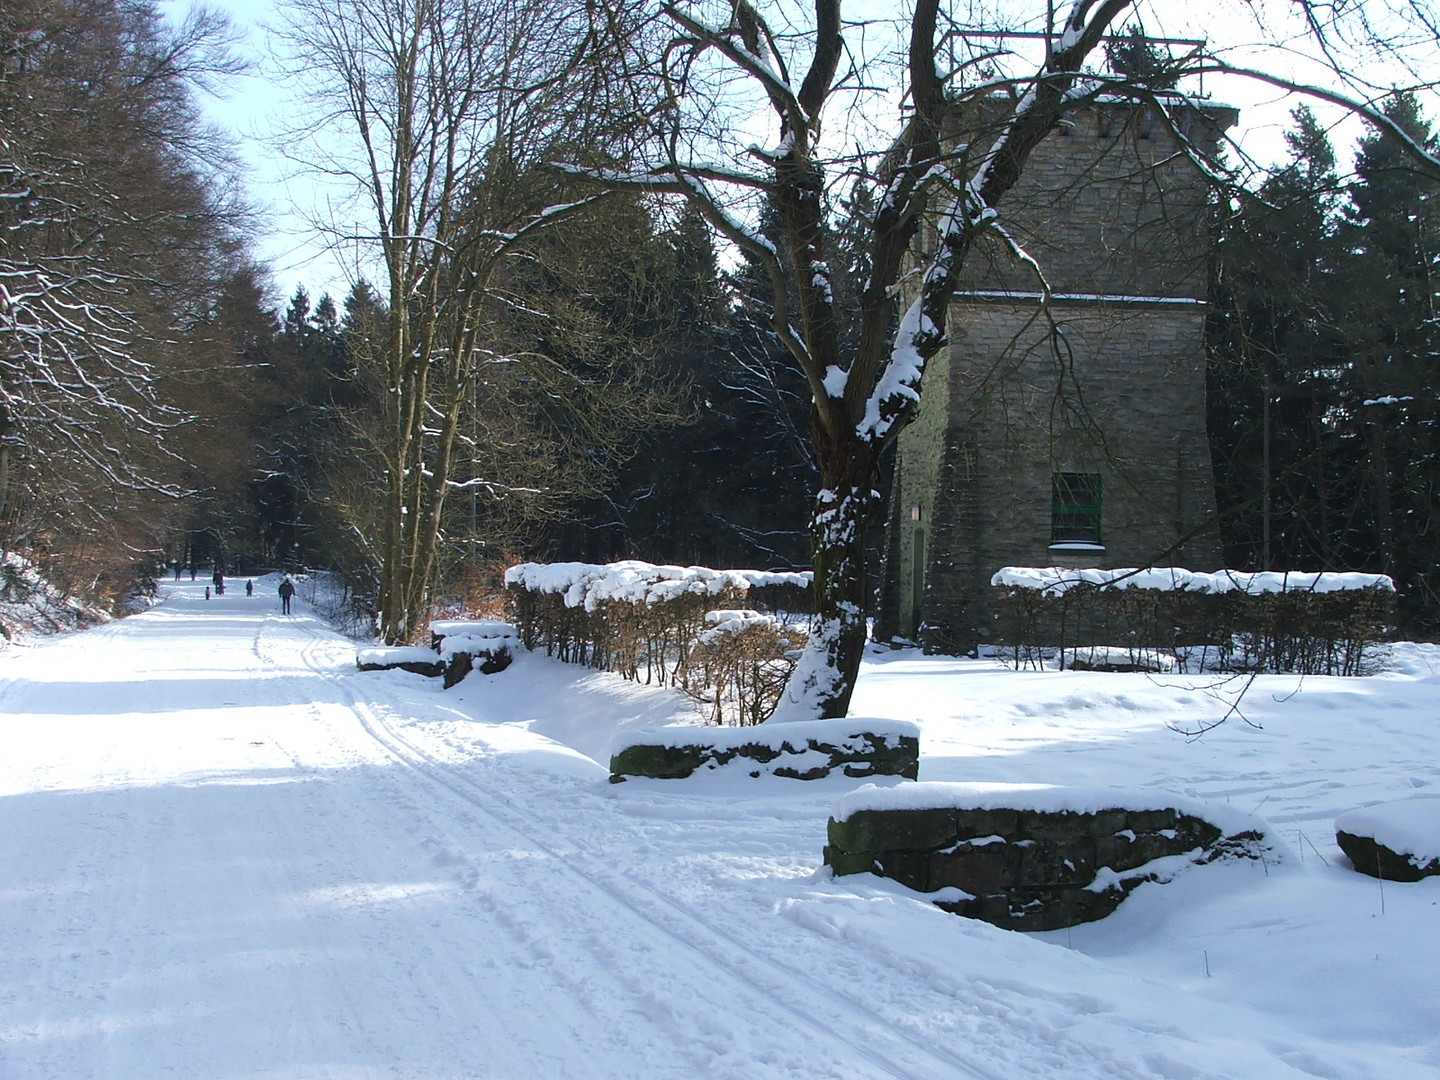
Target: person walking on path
(287, 590)
(249, 588)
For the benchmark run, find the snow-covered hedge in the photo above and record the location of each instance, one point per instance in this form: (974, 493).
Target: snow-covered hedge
(685, 626)
(738, 667)
(589, 585)
(1058, 580)
(1319, 624)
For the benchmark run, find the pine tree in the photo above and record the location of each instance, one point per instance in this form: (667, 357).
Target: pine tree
(1388, 290)
(1275, 349)
(1326, 362)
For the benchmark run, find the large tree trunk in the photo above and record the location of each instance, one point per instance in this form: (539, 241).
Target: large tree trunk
(4, 480)
(825, 678)
(862, 401)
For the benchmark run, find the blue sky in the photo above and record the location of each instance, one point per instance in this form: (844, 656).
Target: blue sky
(256, 105)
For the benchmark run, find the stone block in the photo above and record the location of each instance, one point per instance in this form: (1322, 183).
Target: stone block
(1107, 822)
(1145, 821)
(1369, 856)
(1191, 832)
(894, 830)
(858, 753)
(764, 753)
(661, 762)
(1149, 846)
(487, 663)
(977, 870)
(1023, 868)
(970, 824)
(430, 670)
(909, 868)
(842, 862)
(1053, 825)
(1118, 851)
(1055, 862)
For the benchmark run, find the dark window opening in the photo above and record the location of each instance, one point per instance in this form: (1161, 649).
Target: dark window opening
(1075, 509)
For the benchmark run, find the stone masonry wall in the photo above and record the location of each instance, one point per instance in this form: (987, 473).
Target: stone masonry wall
(1108, 204)
(1025, 869)
(799, 750)
(1131, 412)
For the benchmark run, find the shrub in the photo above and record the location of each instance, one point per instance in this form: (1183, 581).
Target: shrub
(740, 665)
(655, 623)
(1311, 624)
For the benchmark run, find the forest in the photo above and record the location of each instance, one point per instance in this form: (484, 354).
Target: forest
(569, 347)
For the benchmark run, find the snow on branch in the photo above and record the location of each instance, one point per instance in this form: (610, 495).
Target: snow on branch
(919, 335)
(1366, 110)
(768, 69)
(690, 183)
(900, 381)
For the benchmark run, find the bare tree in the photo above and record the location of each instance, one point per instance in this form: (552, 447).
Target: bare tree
(967, 124)
(116, 221)
(436, 112)
(419, 93)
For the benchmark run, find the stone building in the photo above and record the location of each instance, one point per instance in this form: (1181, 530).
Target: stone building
(1073, 433)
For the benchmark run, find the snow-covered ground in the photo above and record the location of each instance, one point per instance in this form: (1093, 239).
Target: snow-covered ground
(30, 607)
(225, 853)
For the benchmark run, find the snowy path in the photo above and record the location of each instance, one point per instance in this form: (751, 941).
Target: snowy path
(224, 853)
(223, 861)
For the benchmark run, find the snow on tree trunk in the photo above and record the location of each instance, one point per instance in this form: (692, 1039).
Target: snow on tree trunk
(824, 680)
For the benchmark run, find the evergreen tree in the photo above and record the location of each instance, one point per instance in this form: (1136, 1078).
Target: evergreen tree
(291, 426)
(1326, 362)
(1276, 349)
(1141, 60)
(730, 487)
(1387, 289)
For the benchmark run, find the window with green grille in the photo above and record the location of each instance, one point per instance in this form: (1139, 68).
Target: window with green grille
(1075, 509)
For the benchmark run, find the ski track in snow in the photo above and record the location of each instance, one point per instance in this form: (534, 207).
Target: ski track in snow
(717, 966)
(548, 962)
(228, 854)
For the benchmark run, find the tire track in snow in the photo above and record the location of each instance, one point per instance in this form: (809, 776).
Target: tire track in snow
(681, 932)
(833, 1018)
(1022, 1032)
(530, 943)
(450, 969)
